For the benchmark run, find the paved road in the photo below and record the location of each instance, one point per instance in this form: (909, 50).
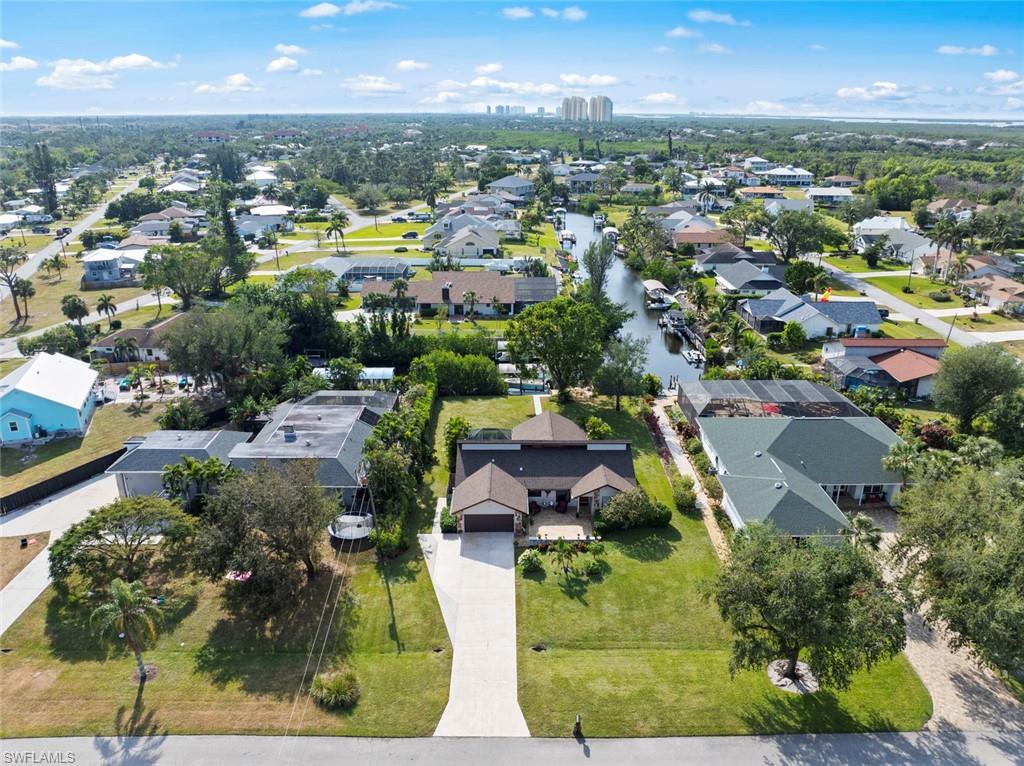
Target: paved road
(483, 697)
(54, 515)
(891, 749)
(30, 266)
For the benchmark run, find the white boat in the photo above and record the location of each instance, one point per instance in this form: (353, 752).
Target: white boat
(693, 357)
(659, 305)
(610, 232)
(567, 236)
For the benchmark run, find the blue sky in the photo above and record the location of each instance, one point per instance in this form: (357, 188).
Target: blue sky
(935, 59)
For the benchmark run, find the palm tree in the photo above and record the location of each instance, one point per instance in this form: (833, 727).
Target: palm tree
(733, 331)
(698, 295)
(336, 227)
(105, 304)
(272, 241)
(706, 196)
(175, 480)
(130, 614)
(863, 533)
(564, 553)
(821, 282)
(469, 299)
(54, 263)
(126, 349)
(958, 267)
(902, 459)
(74, 308)
(24, 289)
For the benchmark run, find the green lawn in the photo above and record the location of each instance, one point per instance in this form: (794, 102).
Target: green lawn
(110, 426)
(639, 652)
(920, 286)
(985, 323)
(285, 262)
(147, 316)
(854, 264)
(893, 329)
(428, 326)
(794, 194)
(220, 673)
(10, 365)
(1015, 347)
(545, 238)
(387, 229)
(32, 243)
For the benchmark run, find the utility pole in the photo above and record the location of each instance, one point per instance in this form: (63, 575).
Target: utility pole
(951, 324)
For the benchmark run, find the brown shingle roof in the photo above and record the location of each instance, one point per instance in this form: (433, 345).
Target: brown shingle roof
(905, 365)
(490, 483)
(600, 477)
(548, 426)
(146, 337)
(698, 237)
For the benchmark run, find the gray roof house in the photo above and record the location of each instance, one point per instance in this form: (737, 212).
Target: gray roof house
(139, 470)
(328, 426)
(796, 472)
(359, 270)
(514, 185)
(762, 399)
(747, 278)
(727, 254)
(820, 319)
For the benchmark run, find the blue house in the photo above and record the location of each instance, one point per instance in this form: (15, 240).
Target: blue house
(50, 395)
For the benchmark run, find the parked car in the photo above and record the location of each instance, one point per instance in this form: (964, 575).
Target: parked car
(399, 219)
(40, 229)
(411, 235)
(401, 249)
(64, 231)
(124, 385)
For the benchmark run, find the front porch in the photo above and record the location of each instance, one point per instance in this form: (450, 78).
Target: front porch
(549, 524)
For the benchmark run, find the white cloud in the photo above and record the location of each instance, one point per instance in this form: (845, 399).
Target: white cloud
(551, 13)
(1005, 88)
(518, 88)
(324, 10)
(233, 83)
(18, 63)
(663, 49)
(442, 97)
(451, 85)
(574, 13)
(878, 91)
(370, 84)
(410, 65)
(663, 97)
(1002, 75)
(8, 44)
(283, 64)
(311, 72)
(594, 80)
(517, 13)
(1013, 103)
(290, 50)
(82, 74)
(489, 68)
(702, 16)
(763, 107)
(817, 47)
(716, 48)
(960, 50)
(682, 32)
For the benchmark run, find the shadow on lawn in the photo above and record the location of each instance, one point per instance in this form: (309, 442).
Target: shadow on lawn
(138, 736)
(647, 544)
(783, 712)
(266, 654)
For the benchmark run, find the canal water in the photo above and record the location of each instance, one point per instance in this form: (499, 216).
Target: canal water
(663, 351)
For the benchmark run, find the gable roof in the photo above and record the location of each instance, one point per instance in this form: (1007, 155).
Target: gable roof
(905, 365)
(600, 477)
(490, 483)
(742, 274)
(54, 377)
(548, 426)
(162, 448)
(146, 337)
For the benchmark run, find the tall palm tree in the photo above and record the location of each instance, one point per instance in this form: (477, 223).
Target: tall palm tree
(126, 349)
(54, 263)
(699, 296)
(24, 289)
(706, 196)
(469, 299)
(106, 304)
(131, 614)
(733, 331)
(902, 459)
(336, 227)
(821, 282)
(863, 532)
(958, 267)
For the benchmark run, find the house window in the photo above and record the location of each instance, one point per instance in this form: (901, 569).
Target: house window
(13, 427)
(149, 352)
(873, 489)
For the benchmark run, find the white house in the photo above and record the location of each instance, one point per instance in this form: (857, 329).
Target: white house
(867, 231)
(262, 178)
(775, 206)
(469, 242)
(788, 176)
(49, 395)
(829, 196)
(515, 185)
(756, 164)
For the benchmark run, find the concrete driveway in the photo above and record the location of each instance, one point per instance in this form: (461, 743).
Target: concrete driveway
(483, 697)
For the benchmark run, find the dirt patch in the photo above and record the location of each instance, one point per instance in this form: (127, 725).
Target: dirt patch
(14, 558)
(152, 671)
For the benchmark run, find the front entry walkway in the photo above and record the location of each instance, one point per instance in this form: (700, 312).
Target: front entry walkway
(476, 571)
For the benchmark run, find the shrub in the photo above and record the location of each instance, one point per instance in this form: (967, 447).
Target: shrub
(592, 568)
(651, 384)
(455, 429)
(336, 688)
(683, 494)
(907, 289)
(794, 335)
(713, 487)
(702, 462)
(940, 296)
(389, 541)
(597, 428)
(530, 561)
(694, 446)
(776, 341)
(630, 510)
(449, 523)
(182, 415)
(470, 375)
(935, 435)
(115, 324)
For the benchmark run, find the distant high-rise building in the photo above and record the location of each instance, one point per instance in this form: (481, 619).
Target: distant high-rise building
(488, 109)
(600, 109)
(540, 110)
(518, 109)
(558, 111)
(499, 109)
(574, 109)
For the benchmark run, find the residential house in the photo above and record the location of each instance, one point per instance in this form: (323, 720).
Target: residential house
(262, 178)
(701, 238)
(756, 164)
(329, 427)
(265, 218)
(909, 247)
(104, 268)
(908, 364)
(818, 318)
(495, 293)
(996, 291)
(748, 279)
(956, 209)
(544, 462)
(762, 399)
(775, 206)
(690, 207)
(829, 196)
(139, 471)
(788, 176)
(148, 341)
(638, 189)
(985, 264)
(843, 182)
(212, 137)
(794, 473)
(867, 231)
(727, 253)
(356, 271)
(470, 242)
(761, 192)
(519, 187)
(715, 186)
(50, 395)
